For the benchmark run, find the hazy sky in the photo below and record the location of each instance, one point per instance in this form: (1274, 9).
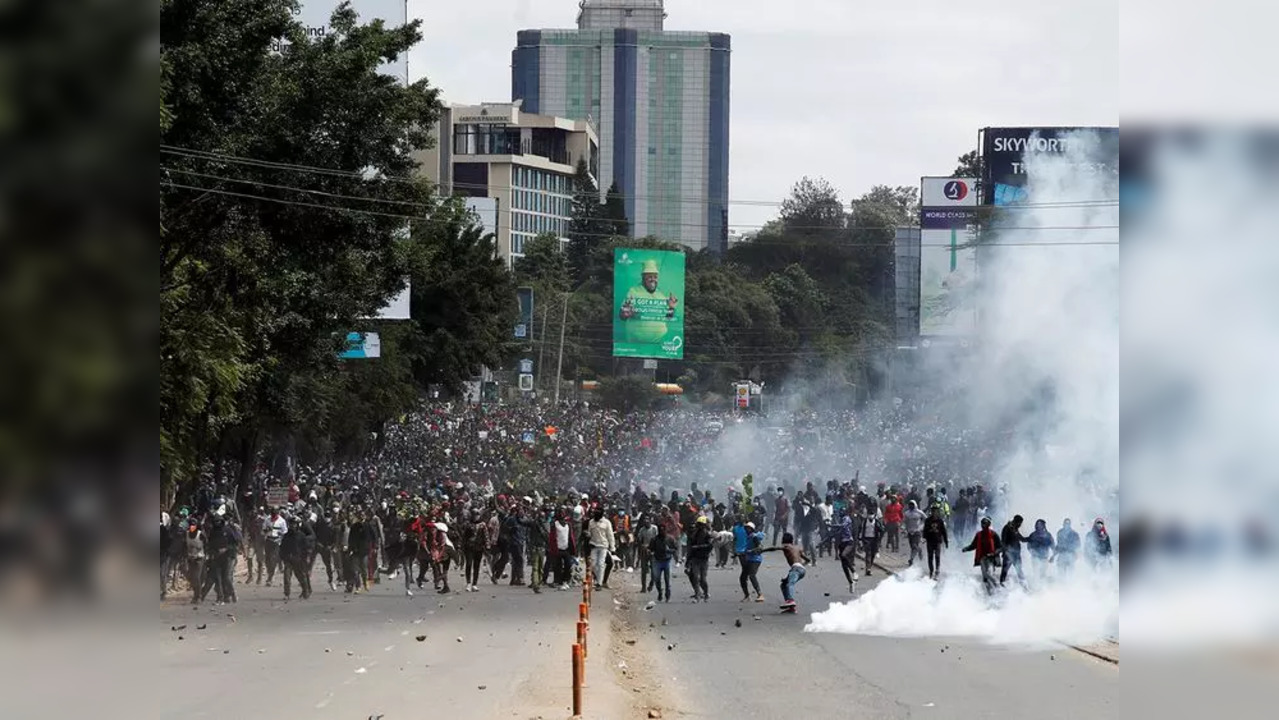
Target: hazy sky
(860, 93)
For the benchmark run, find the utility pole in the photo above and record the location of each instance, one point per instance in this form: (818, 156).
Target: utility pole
(541, 350)
(559, 363)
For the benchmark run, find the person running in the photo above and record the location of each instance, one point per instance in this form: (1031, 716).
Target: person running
(1040, 544)
(869, 531)
(913, 522)
(935, 538)
(1097, 546)
(602, 544)
(662, 548)
(985, 548)
(563, 548)
(643, 540)
(846, 550)
(1067, 548)
(1012, 539)
(474, 542)
(752, 556)
(699, 556)
(795, 558)
(893, 516)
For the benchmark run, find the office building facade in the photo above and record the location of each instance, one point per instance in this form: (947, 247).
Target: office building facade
(524, 161)
(660, 101)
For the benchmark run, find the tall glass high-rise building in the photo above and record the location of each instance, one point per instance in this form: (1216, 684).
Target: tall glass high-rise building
(660, 102)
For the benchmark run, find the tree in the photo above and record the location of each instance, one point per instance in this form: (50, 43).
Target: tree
(586, 230)
(265, 263)
(463, 299)
(628, 393)
(813, 206)
(613, 219)
(801, 302)
(969, 165)
(884, 205)
(543, 265)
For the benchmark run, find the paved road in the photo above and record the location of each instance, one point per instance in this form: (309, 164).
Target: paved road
(769, 668)
(516, 645)
(337, 656)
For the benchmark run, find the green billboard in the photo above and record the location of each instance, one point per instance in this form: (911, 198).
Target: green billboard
(648, 307)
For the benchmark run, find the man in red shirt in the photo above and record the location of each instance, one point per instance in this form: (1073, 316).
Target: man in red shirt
(893, 522)
(985, 546)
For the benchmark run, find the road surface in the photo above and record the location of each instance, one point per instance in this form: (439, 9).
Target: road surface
(769, 668)
(499, 653)
(358, 657)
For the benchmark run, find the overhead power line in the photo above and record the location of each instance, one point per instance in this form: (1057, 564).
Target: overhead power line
(178, 151)
(758, 241)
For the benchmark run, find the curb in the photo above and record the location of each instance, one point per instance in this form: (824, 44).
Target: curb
(1094, 653)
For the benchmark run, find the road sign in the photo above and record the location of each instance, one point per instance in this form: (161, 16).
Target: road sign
(526, 366)
(650, 364)
(526, 382)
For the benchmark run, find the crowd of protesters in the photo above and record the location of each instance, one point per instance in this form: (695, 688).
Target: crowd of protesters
(532, 495)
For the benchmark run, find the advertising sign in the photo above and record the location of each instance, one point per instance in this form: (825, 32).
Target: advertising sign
(648, 304)
(947, 260)
(314, 16)
(1004, 152)
(524, 326)
(361, 346)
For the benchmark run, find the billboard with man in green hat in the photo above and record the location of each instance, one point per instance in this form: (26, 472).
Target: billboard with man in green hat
(648, 315)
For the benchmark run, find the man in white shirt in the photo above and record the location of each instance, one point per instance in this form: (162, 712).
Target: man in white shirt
(600, 535)
(826, 513)
(274, 528)
(913, 523)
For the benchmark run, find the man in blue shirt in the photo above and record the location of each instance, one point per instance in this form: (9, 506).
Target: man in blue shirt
(751, 554)
(846, 549)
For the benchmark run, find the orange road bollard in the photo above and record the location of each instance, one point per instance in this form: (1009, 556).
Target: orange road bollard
(578, 679)
(584, 612)
(581, 638)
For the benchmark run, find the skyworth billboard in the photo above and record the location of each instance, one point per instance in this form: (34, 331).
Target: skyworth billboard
(1004, 150)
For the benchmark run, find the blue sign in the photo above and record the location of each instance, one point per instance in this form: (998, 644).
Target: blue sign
(361, 346)
(527, 437)
(526, 366)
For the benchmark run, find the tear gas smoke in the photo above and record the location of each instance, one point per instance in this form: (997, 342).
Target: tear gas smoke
(1045, 371)
(1200, 407)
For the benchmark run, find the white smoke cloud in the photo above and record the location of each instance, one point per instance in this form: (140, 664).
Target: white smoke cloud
(1201, 397)
(914, 606)
(1199, 409)
(1045, 369)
